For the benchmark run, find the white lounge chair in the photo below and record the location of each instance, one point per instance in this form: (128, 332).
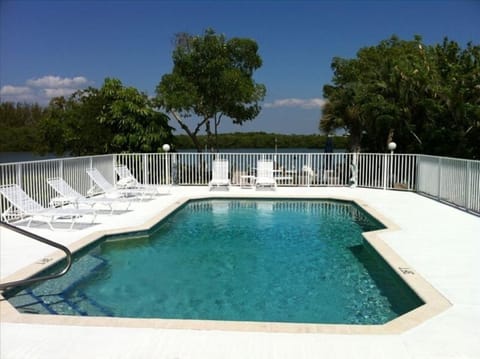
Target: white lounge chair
(25, 206)
(265, 178)
(128, 180)
(109, 189)
(69, 195)
(219, 175)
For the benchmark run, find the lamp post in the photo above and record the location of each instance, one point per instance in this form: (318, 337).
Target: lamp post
(391, 146)
(166, 149)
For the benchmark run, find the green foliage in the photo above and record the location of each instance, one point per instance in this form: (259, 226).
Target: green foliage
(261, 140)
(427, 97)
(211, 78)
(18, 126)
(71, 125)
(111, 119)
(131, 117)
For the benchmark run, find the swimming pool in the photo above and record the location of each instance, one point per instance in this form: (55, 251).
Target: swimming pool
(242, 260)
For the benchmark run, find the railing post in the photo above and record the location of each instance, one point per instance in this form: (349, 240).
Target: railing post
(309, 174)
(354, 170)
(145, 169)
(174, 169)
(390, 170)
(90, 166)
(385, 172)
(60, 168)
(114, 163)
(166, 169)
(19, 174)
(439, 191)
(468, 184)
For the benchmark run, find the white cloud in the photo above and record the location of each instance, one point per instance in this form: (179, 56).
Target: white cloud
(9, 90)
(57, 82)
(42, 89)
(310, 103)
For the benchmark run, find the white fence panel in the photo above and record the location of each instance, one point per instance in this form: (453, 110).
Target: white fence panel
(32, 176)
(450, 180)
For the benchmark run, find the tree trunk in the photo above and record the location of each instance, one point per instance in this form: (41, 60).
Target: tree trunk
(209, 134)
(192, 135)
(217, 123)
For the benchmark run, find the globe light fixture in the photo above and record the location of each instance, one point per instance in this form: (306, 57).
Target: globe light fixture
(392, 146)
(166, 147)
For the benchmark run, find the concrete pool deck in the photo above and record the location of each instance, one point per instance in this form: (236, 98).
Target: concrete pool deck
(437, 241)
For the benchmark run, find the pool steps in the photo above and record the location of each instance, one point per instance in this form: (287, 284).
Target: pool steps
(54, 301)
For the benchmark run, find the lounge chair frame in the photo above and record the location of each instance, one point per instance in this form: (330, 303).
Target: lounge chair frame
(127, 180)
(69, 195)
(24, 206)
(110, 189)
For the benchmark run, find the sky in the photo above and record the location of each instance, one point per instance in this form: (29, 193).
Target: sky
(52, 48)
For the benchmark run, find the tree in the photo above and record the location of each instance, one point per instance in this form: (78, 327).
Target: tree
(111, 119)
(132, 118)
(72, 125)
(211, 78)
(456, 129)
(425, 97)
(18, 126)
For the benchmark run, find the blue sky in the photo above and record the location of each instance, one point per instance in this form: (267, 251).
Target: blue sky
(51, 48)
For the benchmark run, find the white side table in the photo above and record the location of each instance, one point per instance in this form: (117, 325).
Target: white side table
(247, 181)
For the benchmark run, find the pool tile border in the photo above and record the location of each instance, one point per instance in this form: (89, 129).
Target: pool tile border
(435, 302)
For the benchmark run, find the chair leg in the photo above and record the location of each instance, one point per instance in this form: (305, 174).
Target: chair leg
(49, 222)
(73, 221)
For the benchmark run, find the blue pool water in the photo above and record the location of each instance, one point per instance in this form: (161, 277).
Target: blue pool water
(248, 260)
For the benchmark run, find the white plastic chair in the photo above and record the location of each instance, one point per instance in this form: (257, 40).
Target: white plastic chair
(265, 178)
(219, 175)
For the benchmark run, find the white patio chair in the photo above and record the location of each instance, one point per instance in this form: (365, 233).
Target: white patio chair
(310, 177)
(69, 195)
(265, 178)
(25, 206)
(219, 175)
(110, 189)
(128, 180)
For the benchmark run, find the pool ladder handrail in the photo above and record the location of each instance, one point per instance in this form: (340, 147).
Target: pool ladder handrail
(36, 237)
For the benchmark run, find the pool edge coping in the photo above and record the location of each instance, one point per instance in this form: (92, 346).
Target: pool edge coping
(435, 302)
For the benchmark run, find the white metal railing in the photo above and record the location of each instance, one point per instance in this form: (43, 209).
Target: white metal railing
(451, 180)
(32, 176)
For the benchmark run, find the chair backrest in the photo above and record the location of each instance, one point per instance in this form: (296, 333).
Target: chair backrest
(99, 180)
(308, 170)
(220, 170)
(22, 201)
(265, 169)
(63, 188)
(124, 173)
